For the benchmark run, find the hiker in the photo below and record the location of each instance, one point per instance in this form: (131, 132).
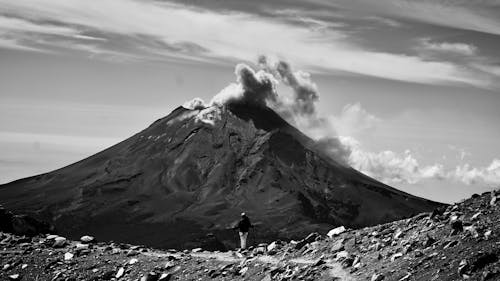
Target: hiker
(243, 227)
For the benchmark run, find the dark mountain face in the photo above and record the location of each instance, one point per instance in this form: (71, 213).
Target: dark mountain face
(193, 172)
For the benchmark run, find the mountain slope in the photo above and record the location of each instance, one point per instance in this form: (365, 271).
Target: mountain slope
(191, 173)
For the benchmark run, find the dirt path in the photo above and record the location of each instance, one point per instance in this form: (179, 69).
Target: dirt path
(335, 268)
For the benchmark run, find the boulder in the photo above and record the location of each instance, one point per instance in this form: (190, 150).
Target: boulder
(87, 239)
(336, 231)
(59, 242)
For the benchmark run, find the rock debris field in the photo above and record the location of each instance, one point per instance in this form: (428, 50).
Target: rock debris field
(457, 242)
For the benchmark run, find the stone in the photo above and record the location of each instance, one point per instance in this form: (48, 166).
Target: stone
(337, 246)
(463, 266)
(14, 277)
(487, 234)
(406, 277)
(133, 261)
(396, 256)
(493, 200)
(312, 237)
(243, 270)
(51, 236)
(398, 233)
(59, 242)
(81, 246)
(336, 231)
(377, 277)
(68, 256)
(196, 250)
(152, 276)
(165, 277)
(450, 244)
(169, 265)
(273, 246)
(86, 239)
(472, 230)
(120, 273)
(475, 216)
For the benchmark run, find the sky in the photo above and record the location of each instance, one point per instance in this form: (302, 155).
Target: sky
(411, 88)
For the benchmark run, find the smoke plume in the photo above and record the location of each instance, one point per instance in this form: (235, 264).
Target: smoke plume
(258, 88)
(195, 104)
(253, 88)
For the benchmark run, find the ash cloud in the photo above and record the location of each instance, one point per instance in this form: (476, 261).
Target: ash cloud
(195, 104)
(299, 108)
(258, 88)
(253, 88)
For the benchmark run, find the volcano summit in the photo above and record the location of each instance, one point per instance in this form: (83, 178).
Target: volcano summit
(192, 172)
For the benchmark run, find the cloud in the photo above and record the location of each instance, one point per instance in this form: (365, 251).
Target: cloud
(456, 48)
(390, 167)
(254, 88)
(480, 16)
(354, 119)
(226, 36)
(471, 175)
(395, 168)
(195, 104)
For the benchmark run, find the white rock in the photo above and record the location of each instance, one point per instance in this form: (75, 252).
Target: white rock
(406, 277)
(396, 255)
(24, 266)
(341, 254)
(14, 277)
(68, 256)
(487, 234)
(52, 236)
(493, 200)
(377, 277)
(120, 273)
(336, 231)
(196, 250)
(475, 216)
(81, 246)
(243, 270)
(87, 239)
(272, 246)
(398, 233)
(133, 261)
(59, 242)
(164, 276)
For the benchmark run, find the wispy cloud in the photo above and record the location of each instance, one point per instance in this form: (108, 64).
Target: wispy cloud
(481, 16)
(447, 47)
(222, 36)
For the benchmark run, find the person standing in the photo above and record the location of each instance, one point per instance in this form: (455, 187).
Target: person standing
(243, 227)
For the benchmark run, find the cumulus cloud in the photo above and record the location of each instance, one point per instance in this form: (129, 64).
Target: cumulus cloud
(390, 167)
(470, 175)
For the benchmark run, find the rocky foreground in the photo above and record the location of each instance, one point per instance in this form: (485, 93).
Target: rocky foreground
(458, 242)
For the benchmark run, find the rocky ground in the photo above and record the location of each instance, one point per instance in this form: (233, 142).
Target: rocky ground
(458, 242)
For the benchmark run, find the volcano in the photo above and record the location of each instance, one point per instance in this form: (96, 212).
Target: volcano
(182, 181)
